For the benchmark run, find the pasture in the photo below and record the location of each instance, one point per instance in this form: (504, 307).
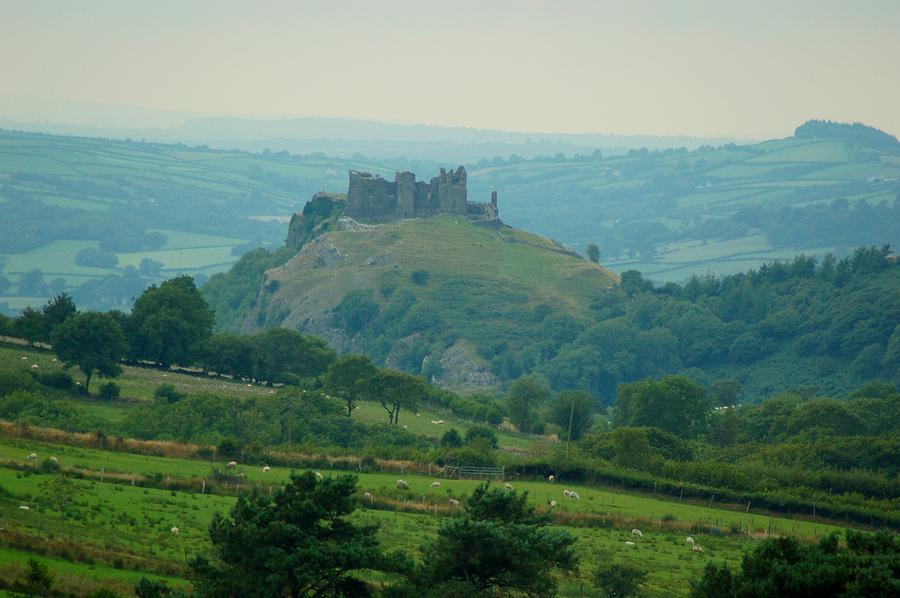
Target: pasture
(130, 525)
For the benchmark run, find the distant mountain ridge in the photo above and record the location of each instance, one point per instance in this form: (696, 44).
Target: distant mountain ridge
(346, 137)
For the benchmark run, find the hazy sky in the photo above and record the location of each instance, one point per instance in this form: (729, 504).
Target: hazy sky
(753, 68)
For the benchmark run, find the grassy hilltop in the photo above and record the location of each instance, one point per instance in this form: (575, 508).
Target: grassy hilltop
(439, 289)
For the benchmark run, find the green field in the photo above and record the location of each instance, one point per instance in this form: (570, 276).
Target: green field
(134, 522)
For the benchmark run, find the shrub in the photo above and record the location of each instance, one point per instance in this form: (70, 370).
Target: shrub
(11, 381)
(110, 391)
(420, 277)
(451, 439)
(483, 432)
(166, 393)
(619, 579)
(58, 380)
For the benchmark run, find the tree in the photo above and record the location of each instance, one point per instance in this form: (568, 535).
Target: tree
(674, 403)
(572, 406)
(169, 322)
(632, 282)
(482, 433)
(618, 580)
(29, 325)
(593, 252)
(867, 566)
(497, 544)
(395, 390)
(57, 311)
(37, 580)
(299, 541)
(92, 341)
(725, 392)
(281, 354)
(347, 378)
(451, 439)
(59, 493)
(525, 395)
(32, 284)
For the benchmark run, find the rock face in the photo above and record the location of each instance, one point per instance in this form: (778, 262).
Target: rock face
(371, 197)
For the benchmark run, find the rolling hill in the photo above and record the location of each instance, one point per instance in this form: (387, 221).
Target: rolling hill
(102, 218)
(439, 296)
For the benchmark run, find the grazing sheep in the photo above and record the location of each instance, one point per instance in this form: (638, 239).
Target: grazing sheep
(402, 485)
(630, 543)
(54, 460)
(24, 358)
(637, 532)
(175, 531)
(574, 495)
(567, 493)
(435, 484)
(453, 502)
(35, 366)
(697, 548)
(405, 427)
(440, 421)
(55, 360)
(231, 464)
(552, 504)
(551, 479)
(32, 456)
(319, 477)
(370, 496)
(267, 469)
(24, 508)
(508, 486)
(690, 540)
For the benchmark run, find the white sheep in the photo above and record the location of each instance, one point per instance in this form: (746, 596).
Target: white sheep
(54, 460)
(175, 531)
(637, 532)
(690, 540)
(567, 493)
(435, 484)
(319, 477)
(697, 548)
(551, 479)
(35, 366)
(267, 469)
(402, 485)
(630, 543)
(32, 456)
(508, 486)
(574, 495)
(552, 504)
(454, 502)
(24, 508)
(369, 495)
(231, 464)
(24, 358)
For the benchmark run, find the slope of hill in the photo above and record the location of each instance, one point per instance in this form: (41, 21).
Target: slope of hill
(438, 296)
(189, 210)
(674, 213)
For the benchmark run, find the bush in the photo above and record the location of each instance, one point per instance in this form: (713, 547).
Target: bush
(166, 393)
(110, 391)
(482, 432)
(420, 277)
(57, 380)
(451, 439)
(11, 381)
(619, 579)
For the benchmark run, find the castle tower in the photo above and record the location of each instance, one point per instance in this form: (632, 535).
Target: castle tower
(406, 194)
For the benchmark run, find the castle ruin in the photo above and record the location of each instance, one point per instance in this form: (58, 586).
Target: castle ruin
(371, 197)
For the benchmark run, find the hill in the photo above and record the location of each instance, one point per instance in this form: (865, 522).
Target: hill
(673, 213)
(88, 212)
(440, 296)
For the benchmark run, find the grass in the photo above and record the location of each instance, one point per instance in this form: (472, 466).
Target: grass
(138, 384)
(132, 523)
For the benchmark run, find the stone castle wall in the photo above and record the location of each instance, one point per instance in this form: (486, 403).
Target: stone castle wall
(371, 197)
